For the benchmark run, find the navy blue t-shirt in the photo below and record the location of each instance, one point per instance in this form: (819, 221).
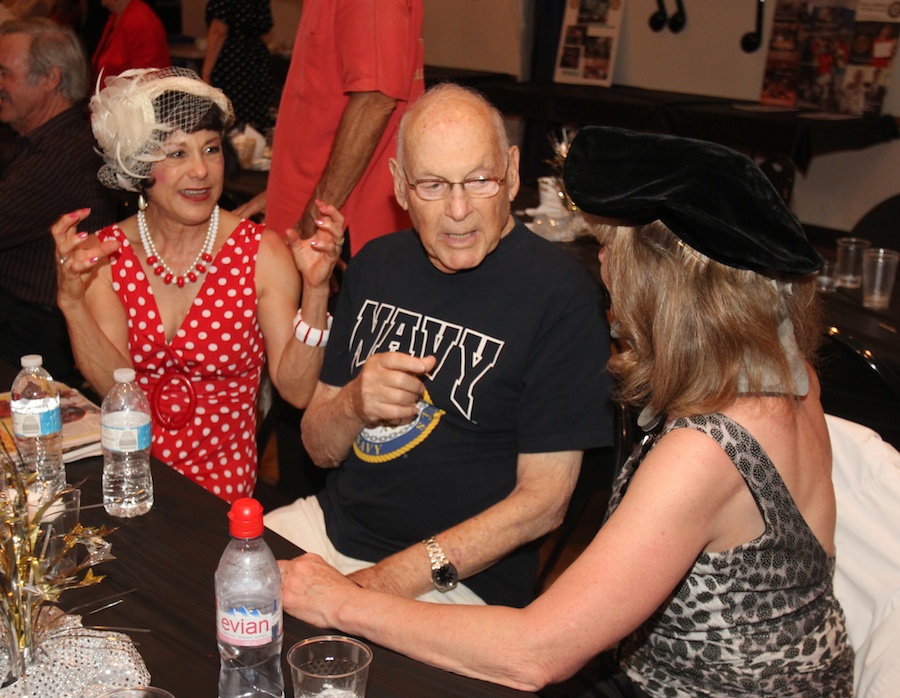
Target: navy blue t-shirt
(522, 344)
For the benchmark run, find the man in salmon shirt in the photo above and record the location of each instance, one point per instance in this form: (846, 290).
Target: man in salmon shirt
(356, 66)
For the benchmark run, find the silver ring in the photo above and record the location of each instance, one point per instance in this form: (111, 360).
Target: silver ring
(62, 259)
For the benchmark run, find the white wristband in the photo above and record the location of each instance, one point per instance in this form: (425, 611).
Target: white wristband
(311, 336)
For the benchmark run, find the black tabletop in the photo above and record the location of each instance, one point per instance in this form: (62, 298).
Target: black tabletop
(875, 330)
(163, 574)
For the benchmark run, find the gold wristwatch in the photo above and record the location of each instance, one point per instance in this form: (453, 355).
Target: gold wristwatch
(443, 573)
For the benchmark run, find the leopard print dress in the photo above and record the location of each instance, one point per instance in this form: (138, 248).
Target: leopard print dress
(758, 620)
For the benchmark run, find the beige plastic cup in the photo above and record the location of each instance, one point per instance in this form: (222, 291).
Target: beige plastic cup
(879, 272)
(329, 666)
(849, 261)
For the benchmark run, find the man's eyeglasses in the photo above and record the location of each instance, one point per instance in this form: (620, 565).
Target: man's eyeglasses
(477, 187)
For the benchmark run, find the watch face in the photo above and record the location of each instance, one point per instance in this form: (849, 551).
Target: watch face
(445, 577)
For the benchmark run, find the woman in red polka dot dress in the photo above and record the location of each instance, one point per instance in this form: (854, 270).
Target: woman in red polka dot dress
(194, 298)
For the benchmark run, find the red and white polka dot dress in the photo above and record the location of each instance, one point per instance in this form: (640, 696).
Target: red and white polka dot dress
(203, 386)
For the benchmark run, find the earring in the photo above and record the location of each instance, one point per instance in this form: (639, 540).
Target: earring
(142, 202)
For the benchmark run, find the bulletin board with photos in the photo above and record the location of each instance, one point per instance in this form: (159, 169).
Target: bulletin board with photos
(832, 56)
(588, 41)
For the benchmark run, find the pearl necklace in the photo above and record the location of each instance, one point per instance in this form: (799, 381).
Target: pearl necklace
(159, 265)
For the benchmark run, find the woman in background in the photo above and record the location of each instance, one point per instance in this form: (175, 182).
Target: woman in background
(237, 59)
(134, 37)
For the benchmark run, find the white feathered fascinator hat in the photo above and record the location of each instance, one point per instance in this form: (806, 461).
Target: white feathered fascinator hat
(134, 114)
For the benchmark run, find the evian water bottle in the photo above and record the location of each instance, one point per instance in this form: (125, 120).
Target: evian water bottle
(248, 609)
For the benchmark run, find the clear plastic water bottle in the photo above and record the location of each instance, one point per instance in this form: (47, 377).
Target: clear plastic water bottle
(248, 609)
(34, 405)
(125, 435)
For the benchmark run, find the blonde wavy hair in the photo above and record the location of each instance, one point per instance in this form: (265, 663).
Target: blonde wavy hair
(693, 328)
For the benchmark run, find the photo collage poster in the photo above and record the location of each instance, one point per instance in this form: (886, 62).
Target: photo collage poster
(588, 41)
(832, 56)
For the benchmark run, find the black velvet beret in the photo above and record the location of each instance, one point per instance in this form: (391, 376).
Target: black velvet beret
(714, 199)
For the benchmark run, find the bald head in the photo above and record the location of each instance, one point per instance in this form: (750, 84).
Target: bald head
(449, 103)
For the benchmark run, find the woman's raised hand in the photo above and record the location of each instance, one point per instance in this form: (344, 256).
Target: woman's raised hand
(317, 257)
(77, 252)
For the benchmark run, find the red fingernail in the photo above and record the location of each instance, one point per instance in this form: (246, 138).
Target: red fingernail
(319, 223)
(82, 235)
(321, 204)
(94, 260)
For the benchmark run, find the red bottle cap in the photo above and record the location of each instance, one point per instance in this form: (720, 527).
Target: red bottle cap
(246, 517)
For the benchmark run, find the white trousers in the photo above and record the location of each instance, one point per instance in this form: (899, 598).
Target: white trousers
(303, 524)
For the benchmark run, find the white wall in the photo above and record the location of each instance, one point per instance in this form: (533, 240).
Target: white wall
(706, 58)
(192, 18)
(839, 188)
(285, 13)
(479, 35)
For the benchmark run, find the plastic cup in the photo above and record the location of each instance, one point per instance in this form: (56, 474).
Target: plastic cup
(137, 692)
(825, 278)
(849, 261)
(879, 272)
(58, 521)
(329, 666)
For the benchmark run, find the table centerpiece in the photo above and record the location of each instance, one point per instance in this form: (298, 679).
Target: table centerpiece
(45, 551)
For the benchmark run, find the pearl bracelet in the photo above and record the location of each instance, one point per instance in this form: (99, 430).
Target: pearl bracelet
(311, 336)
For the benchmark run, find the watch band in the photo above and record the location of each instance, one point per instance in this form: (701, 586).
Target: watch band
(443, 573)
(435, 553)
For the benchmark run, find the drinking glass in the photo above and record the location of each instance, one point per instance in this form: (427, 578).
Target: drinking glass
(879, 272)
(825, 278)
(329, 666)
(849, 261)
(57, 522)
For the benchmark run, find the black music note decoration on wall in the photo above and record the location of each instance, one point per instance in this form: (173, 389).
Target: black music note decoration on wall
(678, 18)
(751, 41)
(659, 18)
